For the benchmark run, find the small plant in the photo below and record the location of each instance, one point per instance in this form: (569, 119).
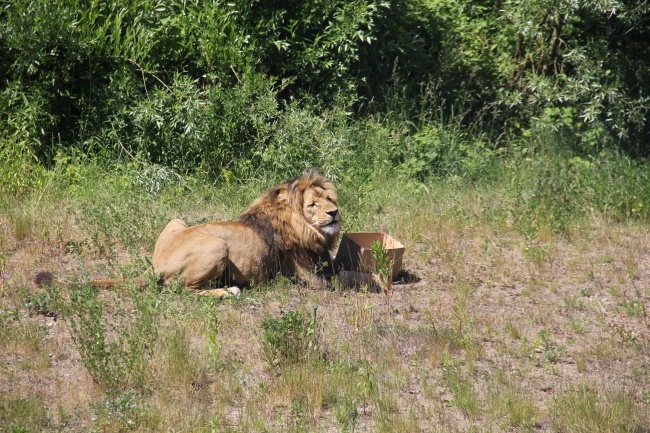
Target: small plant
(3, 262)
(367, 385)
(465, 396)
(551, 351)
(23, 415)
(513, 331)
(214, 346)
(536, 254)
(521, 413)
(573, 303)
(362, 314)
(384, 269)
(127, 410)
(624, 331)
(115, 350)
(633, 308)
(44, 304)
(347, 415)
(291, 339)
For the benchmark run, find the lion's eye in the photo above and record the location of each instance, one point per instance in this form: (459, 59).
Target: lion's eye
(312, 205)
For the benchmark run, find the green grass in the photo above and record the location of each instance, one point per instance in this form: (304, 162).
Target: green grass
(24, 414)
(586, 408)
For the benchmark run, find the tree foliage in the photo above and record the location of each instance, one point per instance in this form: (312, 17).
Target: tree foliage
(223, 86)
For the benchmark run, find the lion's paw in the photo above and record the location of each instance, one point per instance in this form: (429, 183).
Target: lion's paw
(234, 290)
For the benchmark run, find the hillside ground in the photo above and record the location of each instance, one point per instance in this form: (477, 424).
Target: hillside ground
(493, 326)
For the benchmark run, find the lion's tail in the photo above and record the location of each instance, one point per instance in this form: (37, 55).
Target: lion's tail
(140, 282)
(44, 279)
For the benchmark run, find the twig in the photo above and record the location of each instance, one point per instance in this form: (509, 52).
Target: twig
(143, 71)
(232, 68)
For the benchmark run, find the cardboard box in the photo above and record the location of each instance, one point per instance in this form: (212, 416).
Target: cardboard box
(355, 254)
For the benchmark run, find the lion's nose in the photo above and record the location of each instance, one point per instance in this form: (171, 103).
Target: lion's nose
(333, 213)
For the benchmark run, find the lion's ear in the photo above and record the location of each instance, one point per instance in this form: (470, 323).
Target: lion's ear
(281, 194)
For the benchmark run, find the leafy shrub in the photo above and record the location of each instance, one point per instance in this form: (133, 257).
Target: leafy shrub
(21, 118)
(291, 339)
(446, 152)
(236, 89)
(115, 348)
(127, 409)
(314, 47)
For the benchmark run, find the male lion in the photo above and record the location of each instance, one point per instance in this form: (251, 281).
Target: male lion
(290, 229)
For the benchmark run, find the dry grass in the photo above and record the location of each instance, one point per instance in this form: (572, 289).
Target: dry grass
(495, 331)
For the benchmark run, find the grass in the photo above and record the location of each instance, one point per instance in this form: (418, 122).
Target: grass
(505, 325)
(586, 408)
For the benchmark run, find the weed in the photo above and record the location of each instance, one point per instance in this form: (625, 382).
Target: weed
(388, 412)
(578, 325)
(573, 303)
(512, 331)
(462, 388)
(3, 265)
(214, 345)
(633, 307)
(116, 219)
(549, 349)
(587, 292)
(7, 319)
(384, 269)
(46, 303)
(624, 331)
(347, 415)
(362, 313)
(114, 349)
(124, 411)
(180, 361)
(367, 385)
(518, 408)
(292, 338)
(536, 253)
(23, 223)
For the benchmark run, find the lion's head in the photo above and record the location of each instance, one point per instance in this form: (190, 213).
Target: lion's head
(299, 213)
(316, 198)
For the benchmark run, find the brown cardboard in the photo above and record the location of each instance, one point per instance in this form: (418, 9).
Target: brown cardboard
(354, 253)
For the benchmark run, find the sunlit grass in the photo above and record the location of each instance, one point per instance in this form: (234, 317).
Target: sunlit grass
(592, 408)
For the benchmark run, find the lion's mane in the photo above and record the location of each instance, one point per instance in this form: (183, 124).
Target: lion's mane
(277, 217)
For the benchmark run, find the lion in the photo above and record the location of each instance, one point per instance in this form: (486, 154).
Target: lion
(290, 230)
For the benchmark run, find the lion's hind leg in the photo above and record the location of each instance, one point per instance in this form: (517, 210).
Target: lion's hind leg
(196, 257)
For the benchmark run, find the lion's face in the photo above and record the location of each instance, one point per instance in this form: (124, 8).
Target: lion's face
(321, 211)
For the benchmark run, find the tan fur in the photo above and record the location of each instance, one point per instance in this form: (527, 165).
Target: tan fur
(290, 229)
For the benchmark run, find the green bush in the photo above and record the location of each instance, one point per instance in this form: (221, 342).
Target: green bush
(291, 339)
(243, 89)
(115, 348)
